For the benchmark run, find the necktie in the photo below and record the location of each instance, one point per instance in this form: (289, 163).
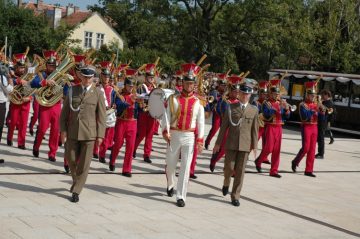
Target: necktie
(242, 107)
(84, 91)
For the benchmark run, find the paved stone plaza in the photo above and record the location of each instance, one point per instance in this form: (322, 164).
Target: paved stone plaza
(34, 198)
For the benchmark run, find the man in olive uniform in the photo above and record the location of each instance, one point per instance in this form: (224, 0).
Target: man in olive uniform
(241, 119)
(82, 122)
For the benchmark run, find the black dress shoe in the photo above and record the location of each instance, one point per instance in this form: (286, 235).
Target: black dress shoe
(102, 160)
(31, 131)
(266, 162)
(258, 169)
(111, 168)
(110, 148)
(170, 192)
(180, 203)
(225, 190)
(126, 174)
(331, 141)
(66, 167)
(206, 146)
(95, 156)
(318, 156)
(212, 168)
(310, 174)
(276, 175)
(22, 147)
(36, 153)
(147, 160)
(74, 197)
(293, 166)
(52, 159)
(9, 142)
(134, 154)
(193, 176)
(235, 202)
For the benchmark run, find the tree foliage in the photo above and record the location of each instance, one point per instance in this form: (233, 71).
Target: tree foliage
(23, 28)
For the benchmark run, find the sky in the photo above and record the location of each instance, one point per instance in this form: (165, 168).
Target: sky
(80, 3)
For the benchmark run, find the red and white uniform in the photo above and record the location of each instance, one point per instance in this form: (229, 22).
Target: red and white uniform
(146, 125)
(47, 116)
(309, 118)
(274, 115)
(19, 115)
(125, 129)
(109, 133)
(184, 113)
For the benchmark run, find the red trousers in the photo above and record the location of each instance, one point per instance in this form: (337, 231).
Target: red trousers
(215, 125)
(49, 116)
(35, 116)
(124, 129)
(145, 129)
(156, 127)
(217, 156)
(272, 145)
(309, 134)
(107, 142)
(19, 117)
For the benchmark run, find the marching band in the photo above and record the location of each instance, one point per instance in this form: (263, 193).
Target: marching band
(91, 118)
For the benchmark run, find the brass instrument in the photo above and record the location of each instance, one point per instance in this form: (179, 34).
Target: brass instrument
(291, 107)
(261, 120)
(20, 91)
(322, 107)
(50, 95)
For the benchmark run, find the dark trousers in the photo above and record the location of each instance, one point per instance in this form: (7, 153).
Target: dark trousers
(2, 117)
(235, 161)
(321, 137)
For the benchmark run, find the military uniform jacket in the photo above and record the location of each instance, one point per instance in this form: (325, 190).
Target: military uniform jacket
(88, 123)
(243, 137)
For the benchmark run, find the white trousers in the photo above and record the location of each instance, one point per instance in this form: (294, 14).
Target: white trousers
(181, 143)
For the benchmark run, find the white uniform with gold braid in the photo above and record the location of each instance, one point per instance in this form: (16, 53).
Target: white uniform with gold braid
(182, 138)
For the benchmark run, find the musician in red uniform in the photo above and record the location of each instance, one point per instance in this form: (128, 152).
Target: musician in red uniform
(274, 111)
(310, 113)
(222, 105)
(146, 123)
(49, 115)
(263, 95)
(109, 94)
(126, 123)
(19, 114)
(216, 117)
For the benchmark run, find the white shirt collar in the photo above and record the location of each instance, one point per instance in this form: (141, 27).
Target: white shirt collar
(87, 88)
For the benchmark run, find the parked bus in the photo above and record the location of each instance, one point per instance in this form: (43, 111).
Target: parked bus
(345, 90)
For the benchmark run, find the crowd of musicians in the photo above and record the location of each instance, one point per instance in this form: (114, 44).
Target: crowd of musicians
(92, 116)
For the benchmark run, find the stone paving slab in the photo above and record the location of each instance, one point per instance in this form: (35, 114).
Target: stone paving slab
(34, 198)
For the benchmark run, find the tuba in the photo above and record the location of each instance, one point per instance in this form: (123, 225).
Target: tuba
(20, 91)
(50, 95)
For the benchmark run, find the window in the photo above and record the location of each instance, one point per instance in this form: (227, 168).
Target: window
(99, 40)
(342, 93)
(88, 40)
(355, 94)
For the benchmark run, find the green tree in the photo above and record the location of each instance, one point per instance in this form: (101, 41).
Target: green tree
(24, 29)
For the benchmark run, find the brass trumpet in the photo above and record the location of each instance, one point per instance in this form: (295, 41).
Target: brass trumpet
(288, 106)
(322, 107)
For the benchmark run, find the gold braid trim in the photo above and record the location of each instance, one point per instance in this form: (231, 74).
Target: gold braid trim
(175, 115)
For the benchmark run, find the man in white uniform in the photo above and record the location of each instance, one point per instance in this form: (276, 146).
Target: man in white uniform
(183, 114)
